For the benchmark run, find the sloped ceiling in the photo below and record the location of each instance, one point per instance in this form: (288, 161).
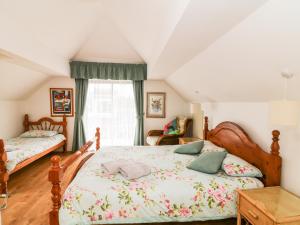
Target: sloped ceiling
(208, 50)
(17, 81)
(245, 63)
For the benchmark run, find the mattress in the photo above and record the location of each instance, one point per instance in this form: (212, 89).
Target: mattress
(25, 148)
(171, 193)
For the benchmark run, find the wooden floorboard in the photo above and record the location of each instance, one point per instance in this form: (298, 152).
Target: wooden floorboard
(30, 201)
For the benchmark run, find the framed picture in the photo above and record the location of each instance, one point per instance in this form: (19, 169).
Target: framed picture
(61, 102)
(156, 105)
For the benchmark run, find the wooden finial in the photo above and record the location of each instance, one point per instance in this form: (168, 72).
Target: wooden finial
(97, 135)
(205, 132)
(275, 144)
(55, 160)
(3, 171)
(64, 119)
(55, 176)
(26, 122)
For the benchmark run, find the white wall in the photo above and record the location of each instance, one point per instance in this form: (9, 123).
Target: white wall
(175, 104)
(197, 115)
(37, 105)
(253, 117)
(11, 119)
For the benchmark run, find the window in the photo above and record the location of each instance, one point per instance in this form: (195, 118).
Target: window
(110, 105)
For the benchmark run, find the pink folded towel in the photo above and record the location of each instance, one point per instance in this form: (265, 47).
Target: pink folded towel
(134, 170)
(113, 167)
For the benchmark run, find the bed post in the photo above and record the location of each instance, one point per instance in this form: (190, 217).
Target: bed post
(275, 145)
(65, 133)
(97, 135)
(26, 122)
(55, 176)
(274, 178)
(205, 131)
(3, 171)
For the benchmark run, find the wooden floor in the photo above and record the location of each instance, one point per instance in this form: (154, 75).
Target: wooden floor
(29, 202)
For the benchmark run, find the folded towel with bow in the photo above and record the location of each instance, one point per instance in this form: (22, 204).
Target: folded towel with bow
(113, 167)
(128, 168)
(134, 170)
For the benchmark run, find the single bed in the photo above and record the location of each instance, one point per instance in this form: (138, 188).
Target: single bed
(16, 153)
(171, 193)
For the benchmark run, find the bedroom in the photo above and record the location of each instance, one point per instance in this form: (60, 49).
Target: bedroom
(76, 62)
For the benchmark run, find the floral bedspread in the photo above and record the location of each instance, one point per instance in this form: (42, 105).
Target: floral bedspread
(171, 193)
(25, 148)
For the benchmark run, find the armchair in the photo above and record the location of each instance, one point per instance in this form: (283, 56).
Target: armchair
(157, 137)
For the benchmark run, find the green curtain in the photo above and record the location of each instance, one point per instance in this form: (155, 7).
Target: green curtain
(83, 71)
(80, 100)
(138, 89)
(105, 71)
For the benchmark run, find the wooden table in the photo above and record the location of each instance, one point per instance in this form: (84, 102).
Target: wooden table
(185, 140)
(268, 206)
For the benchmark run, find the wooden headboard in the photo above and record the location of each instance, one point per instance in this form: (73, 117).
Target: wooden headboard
(237, 142)
(46, 123)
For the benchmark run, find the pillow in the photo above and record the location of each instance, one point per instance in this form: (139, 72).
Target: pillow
(208, 162)
(237, 167)
(171, 127)
(11, 148)
(38, 133)
(210, 147)
(191, 148)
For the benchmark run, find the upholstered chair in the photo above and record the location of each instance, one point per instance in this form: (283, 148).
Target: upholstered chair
(157, 137)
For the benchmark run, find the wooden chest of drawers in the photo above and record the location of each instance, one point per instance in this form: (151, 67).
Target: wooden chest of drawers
(268, 206)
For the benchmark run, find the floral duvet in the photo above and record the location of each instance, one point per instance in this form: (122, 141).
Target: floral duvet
(171, 193)
(24, 148)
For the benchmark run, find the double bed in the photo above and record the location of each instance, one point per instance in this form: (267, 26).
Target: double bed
(16, 153)
(83, 193)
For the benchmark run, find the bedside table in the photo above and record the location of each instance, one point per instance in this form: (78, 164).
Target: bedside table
(268, 206)
(186, 140)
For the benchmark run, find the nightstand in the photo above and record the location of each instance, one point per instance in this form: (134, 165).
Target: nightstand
(268, 206)
(185, 140)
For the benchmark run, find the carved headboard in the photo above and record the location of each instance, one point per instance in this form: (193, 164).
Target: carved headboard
(46, 123)
(237, 142)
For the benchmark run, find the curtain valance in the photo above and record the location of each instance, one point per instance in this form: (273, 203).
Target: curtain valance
(105, 71)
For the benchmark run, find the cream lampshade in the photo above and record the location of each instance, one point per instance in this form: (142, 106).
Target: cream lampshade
(285, 112)
(197, 115)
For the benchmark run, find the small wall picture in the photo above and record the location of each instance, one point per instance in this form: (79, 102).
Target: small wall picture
(156, 105)
(61, 102)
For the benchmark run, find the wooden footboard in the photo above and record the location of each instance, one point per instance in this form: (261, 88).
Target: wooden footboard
(3, 171)
(61, 174)
(44, 123)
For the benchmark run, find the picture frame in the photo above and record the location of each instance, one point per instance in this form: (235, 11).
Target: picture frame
(156, 105)
(61, 102)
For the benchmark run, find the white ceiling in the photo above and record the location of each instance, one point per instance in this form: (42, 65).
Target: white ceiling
(202, 23)
(245, 63)
(225, 50)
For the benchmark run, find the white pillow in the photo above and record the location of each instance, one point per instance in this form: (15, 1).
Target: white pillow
(11, 148)
(38, 133)
(211, 147)
(237, 167)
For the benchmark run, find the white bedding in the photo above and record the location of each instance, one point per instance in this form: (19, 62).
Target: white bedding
(20, 149)
(171, 193)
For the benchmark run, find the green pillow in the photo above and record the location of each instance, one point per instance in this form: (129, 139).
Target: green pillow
(191, 148)
(208, 162)
(174, 132)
